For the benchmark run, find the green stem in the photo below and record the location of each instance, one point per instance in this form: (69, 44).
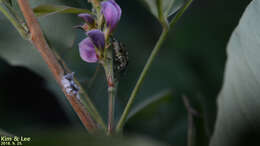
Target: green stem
(141, 79)
(112, 89)
(9, 14)
(162, 18)
(148, 65)
(180, 13)
(111, 109)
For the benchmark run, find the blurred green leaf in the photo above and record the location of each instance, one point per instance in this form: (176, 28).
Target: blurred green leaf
(4, 133)
(79, 138)
(171, 6)
(8, 1)
(163, 119)
(47, 9)
(150, 102)
(162, 9)
(239, 103)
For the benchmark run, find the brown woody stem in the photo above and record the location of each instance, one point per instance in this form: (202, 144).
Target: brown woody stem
(38, 40)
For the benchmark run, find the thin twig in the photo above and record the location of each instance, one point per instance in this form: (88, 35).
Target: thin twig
(191, 113)
(38, 40)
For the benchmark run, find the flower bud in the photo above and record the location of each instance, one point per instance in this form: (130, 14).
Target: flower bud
(112, 13)
(89, 19)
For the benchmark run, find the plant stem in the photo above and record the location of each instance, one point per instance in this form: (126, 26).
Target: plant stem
(111, 109)
(86, 101)
(162, 18)
(141, 79)
(191, 112)
(38, 40)
(9, 14)
(180, 13)
(148, 65)
(112, 88)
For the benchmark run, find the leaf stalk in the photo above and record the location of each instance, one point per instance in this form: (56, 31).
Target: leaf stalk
(148, 65)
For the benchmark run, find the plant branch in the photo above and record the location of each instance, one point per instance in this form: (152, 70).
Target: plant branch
(148, 65)
(13, 18)
(111, 109)
(162, 18)
(141, 79)
(180, 13)
(38, 40)
(86, 101)
(112, 89)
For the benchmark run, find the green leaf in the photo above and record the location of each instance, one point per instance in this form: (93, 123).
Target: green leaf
(171, 6)
(4, 133)
(238, 102)
(150, 102)
(162, 9)
(47, 9)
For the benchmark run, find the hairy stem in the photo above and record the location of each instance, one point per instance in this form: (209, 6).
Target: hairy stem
(38, 40)
(148, 65)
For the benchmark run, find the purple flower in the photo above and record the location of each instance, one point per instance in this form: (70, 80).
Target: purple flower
(97, 37)
(112, 13)
(87, 18)
(87, 51)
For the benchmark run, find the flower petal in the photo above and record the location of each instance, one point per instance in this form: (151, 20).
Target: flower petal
(87, 51)
(88, 18)
(97, 37)
(112, 13)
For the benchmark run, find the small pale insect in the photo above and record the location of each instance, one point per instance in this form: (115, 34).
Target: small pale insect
(120, 56)
(69, 85)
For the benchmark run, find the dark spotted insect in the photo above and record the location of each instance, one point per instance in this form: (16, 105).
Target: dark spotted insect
(120, 56)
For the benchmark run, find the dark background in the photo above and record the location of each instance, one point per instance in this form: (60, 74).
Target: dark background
(190, 63)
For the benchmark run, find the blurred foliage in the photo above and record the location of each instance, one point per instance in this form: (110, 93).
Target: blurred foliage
(238, 117)
(79, 138)
(190, 63)
(162, 9)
